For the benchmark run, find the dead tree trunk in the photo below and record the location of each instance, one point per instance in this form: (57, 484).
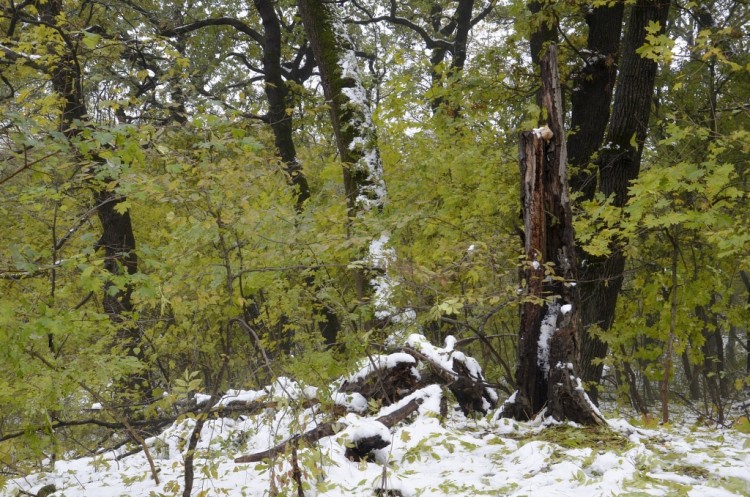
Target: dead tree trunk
(548, 355)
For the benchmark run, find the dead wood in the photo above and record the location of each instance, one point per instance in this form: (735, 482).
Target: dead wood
(385, 385)
(362, 449)
(327, 430)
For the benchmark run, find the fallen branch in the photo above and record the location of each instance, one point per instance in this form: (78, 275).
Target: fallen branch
(327, 430)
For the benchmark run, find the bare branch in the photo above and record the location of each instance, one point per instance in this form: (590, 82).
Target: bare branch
(219, 21)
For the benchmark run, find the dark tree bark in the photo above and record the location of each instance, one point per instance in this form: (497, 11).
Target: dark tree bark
(618, 164)
(441, 38)
(117, 239)
(592, 95)
(690, 376)
(458, 28)
(549, 333)
(544, 34)
(746, 281)
(590, 111)
(277, 93)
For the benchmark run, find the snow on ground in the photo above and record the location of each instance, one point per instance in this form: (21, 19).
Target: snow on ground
(427, 456)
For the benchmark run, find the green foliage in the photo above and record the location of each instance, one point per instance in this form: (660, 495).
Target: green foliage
(231, 276)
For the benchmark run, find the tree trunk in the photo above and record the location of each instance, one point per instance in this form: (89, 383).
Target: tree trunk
(351, 117)
(592, 96)
(117, 239)
(746, 282)
(277, 93)
(458, 28)
(691, 377)
(618, 164)
(544, 34)
(350, 113)
(548, 353)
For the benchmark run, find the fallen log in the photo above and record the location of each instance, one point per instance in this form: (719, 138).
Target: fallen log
(327, 430)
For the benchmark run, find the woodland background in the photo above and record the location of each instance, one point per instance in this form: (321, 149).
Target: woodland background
(176, 214)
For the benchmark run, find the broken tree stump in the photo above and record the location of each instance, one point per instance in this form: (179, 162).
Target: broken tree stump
(548, 355)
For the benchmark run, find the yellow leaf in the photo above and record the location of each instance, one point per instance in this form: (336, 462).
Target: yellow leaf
(634, 140)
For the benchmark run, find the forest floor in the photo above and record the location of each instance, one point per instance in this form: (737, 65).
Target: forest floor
(429, 454)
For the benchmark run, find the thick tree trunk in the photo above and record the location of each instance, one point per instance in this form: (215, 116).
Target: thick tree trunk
(619, 163)
(548, 353)
(277, 93)
(592, 95)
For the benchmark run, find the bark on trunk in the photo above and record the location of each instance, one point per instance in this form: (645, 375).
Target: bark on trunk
(458, 28)
(618, 164)
(350, 113)
(548, 356)
(277, 93)
(592, 95)
(544, 34)
(351, 117)
(117, 239)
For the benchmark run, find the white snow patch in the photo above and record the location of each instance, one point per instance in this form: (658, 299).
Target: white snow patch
(547, 329)
(353, 402)
(378, 362)
(455, 456)
(359, 428)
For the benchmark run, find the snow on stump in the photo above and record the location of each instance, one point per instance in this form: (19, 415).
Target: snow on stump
(388, 378)
(364, 436)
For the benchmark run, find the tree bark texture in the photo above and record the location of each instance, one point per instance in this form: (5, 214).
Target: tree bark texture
(618, 164)
(350, 113)
(543, 35)
(548, 353)
(351, 117)
(458, 28)
(277, 93)
(117, 239)
(592, 94)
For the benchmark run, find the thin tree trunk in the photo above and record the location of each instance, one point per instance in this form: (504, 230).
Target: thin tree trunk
(459, 29)
(746, 281)
(669, 345)
(117, 239)
(277, 93)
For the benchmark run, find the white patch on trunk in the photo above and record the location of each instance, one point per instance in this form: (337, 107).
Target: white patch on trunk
(546, 330)
(373, 194)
